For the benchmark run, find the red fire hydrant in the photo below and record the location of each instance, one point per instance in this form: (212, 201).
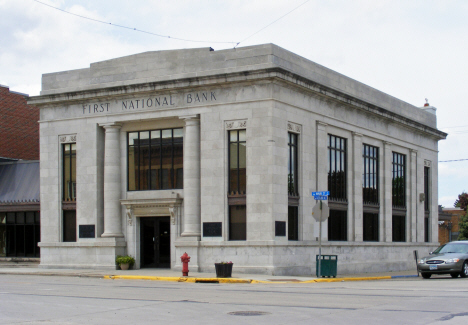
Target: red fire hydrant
(185, 260)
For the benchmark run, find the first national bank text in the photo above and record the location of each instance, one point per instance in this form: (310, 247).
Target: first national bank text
(159, 101)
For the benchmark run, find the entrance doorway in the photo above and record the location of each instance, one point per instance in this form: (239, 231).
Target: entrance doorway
(155, 242)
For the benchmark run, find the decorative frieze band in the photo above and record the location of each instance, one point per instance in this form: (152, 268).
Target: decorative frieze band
(70, 138)
(293, 127)
(234, 125)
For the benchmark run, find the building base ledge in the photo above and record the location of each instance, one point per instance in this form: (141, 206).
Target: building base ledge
(94, 243)
(309, 243)
(78, 266)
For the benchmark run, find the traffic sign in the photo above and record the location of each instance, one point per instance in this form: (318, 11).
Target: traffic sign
(321, 211)
(321, 193)
(320, 197)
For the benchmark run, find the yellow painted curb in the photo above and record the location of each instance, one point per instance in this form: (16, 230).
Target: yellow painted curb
(350, 279)
(176, 279)
(231, 280)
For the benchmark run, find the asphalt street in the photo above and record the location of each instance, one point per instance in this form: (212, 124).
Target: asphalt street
(26, 299)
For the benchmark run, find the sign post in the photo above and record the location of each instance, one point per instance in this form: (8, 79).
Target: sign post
(320, 212)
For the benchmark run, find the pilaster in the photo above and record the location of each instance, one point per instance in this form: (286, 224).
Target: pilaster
(386, 222)
(355, 218)
(413, 202)
(322, 169)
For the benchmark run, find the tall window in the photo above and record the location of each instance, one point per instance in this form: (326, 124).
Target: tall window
(337, 185)
(370, 226)
(155, 160)
(293, 187)
(370, 181)
(69, 172)
(338, 225)
(69, 192)
(370, 193)
(237, 185)
(427, 203)
(237, 224)
(292, 165)
(337, 168)
(399, 197)
(237, 162)
(399, 181)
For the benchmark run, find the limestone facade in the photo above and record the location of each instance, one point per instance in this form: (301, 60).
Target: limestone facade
(264, 90)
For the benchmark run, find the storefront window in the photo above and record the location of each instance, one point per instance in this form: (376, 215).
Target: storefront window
(19, 234)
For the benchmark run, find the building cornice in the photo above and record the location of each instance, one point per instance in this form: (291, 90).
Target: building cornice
(228, 79)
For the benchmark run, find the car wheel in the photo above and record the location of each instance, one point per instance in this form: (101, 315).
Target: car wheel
(426, 275)
(464, 272)
(454, 275)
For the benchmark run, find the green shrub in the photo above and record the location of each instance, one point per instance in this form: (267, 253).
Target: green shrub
(125, 260)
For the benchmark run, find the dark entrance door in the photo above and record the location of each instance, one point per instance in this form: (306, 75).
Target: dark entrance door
(155, 242)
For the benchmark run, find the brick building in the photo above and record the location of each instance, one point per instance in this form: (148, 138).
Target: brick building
(19, 177)
(448, 224)
(19, 136)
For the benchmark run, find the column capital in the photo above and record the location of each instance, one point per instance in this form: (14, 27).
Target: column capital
(322, 124)
(413, 151)
(387, 144)
(194, 117)
(111, 125)
(357, 135)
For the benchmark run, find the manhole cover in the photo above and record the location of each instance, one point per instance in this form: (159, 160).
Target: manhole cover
(248, 313)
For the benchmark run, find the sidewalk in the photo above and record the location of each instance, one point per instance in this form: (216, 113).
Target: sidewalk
(169, 275)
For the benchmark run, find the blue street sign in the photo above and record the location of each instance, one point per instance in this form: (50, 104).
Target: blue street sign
(320, 197)
(321, 193)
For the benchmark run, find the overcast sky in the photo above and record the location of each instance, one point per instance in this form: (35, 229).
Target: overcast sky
(411, 49)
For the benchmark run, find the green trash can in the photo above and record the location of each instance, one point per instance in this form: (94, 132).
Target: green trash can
(328, 265)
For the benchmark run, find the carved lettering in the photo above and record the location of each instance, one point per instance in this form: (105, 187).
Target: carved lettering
(143, 103)
(200, 97)
(95, 108)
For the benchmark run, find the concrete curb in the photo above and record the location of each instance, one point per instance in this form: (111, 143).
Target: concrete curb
(204, 280)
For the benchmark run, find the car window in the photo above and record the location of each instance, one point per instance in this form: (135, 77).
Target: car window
(452, 248)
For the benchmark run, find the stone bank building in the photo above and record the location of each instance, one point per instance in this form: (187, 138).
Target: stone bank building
(216, 153)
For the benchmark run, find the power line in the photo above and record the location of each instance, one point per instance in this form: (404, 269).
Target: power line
(271, 23)
(167, 36)
(453, 160)
(134, 29)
